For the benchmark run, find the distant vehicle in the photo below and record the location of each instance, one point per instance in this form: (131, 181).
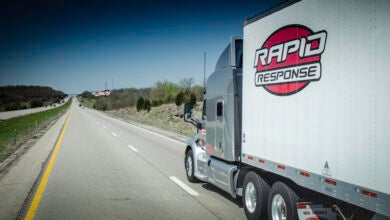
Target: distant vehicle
(296, 115)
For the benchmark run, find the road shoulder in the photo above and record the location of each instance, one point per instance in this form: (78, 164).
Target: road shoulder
(170, 134)
(16, 183)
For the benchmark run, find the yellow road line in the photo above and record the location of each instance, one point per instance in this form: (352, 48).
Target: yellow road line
(42, 185)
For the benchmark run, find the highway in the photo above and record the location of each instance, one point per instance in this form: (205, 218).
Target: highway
(12, 114)
(109, 169)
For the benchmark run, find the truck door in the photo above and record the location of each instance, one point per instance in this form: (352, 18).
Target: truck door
(219, 128)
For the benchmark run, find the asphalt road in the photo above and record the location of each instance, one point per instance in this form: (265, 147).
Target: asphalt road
(108, 169)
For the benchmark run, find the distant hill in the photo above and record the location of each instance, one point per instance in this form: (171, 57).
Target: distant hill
(22, 97)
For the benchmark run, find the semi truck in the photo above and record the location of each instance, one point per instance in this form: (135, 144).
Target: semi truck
(296, 115)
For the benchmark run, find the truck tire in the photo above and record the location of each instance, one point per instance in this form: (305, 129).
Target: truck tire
(255, 195)
(189, 166)
(282, 202)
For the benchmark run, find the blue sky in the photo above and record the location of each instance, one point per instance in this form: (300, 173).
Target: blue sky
(73, 46)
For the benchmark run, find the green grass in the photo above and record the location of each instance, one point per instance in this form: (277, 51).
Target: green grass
(161, 117)
(87, 102)
(25, 125)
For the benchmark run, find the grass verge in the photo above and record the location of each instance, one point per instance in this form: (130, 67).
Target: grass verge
(89, 103)
(17, 130)
(167, 116)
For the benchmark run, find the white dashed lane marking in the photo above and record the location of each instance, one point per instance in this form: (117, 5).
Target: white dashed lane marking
(133, 148)
(184, 186)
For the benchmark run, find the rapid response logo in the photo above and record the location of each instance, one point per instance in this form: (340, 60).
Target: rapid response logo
(289, 59)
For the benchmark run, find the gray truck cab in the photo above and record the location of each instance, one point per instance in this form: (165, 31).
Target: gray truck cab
(218, 139)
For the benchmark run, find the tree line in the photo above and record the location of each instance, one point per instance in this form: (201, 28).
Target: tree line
(162, 92)
(23, 97)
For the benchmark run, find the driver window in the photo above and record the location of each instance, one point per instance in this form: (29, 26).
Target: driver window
(219, 109)
(204, 110)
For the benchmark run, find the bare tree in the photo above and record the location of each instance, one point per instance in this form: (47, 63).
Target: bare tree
(186, 84)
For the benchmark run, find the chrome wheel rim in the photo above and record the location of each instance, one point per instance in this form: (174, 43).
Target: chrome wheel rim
(250, 197)
(189, 166)
(278, 209)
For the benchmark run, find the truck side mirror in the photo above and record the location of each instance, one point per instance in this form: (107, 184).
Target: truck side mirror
(187, 111)
(187, 114)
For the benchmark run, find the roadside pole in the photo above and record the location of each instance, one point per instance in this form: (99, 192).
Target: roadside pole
(15, 136)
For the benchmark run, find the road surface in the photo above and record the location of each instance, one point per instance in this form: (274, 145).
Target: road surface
(12, 114)
(109, 169)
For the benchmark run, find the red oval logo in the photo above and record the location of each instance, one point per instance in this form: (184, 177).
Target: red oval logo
(289, 59)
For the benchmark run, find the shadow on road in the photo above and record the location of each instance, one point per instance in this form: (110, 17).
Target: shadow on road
(217, 190)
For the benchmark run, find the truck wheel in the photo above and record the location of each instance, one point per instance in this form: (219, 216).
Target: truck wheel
(255, 194)
(282, 203)
(189, 166)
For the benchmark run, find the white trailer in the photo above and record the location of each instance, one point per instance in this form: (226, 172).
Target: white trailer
(300, 128)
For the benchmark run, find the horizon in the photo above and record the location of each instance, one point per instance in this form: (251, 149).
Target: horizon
(75, 47)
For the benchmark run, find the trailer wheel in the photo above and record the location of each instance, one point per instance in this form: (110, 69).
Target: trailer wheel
(254, 197)
(189, 166)
(282, 203)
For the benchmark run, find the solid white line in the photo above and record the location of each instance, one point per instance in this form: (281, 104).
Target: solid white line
(113, 134)
(184, 186)
(151, 132)
(104, 127)
(133, 148)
